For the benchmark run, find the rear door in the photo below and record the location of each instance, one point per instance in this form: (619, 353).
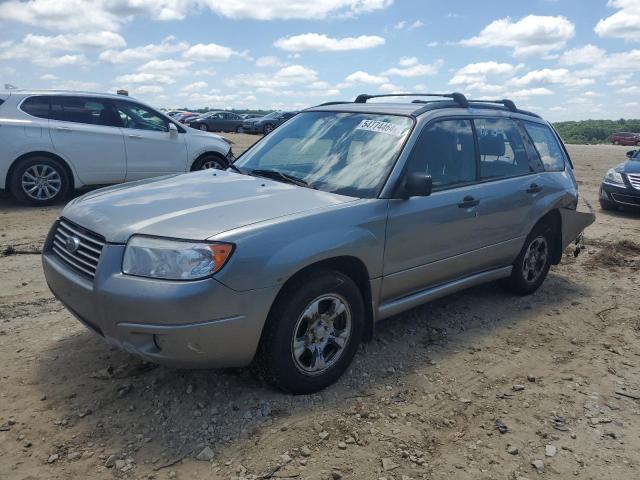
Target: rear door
(510, 186)
(152, 149)
(86, 131)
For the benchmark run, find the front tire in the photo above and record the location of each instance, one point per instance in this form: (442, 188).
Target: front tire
(39, 181)
(203, 127)
(210, 161)
(268, 128)
(312, 333)
(533, 263)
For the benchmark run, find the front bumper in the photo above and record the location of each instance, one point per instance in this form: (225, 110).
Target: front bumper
(252, 128)
(623, 195)
(200, 324)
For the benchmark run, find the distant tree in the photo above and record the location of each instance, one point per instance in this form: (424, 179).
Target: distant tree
(594, 131)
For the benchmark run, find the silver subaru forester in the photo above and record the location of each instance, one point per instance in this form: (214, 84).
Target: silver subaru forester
(347, 214)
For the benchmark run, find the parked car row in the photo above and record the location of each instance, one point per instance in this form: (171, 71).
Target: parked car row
(55, 142)
(345, 215)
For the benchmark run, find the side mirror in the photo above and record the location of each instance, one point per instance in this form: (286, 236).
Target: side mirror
(418, 184)
(173, 130)
(630, 153)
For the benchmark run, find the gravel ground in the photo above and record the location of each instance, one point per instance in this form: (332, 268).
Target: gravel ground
(479, 385)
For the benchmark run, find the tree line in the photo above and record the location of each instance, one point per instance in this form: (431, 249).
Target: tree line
(594, 131)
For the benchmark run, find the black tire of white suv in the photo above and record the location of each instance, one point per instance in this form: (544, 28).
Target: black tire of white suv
(39, 181)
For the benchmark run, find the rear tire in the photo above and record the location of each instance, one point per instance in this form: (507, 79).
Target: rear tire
(203, 127)
(39, 181)
(312, 333)
(239, 130)
(532, 264)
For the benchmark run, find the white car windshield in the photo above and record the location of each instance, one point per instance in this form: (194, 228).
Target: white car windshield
(346, 153)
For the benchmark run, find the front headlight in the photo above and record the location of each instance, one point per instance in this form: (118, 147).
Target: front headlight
(173, 259)
(613, 177)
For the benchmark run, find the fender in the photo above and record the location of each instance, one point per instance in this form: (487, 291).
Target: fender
(269, 253)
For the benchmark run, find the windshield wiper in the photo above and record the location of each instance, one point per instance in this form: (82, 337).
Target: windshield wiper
(277, 175)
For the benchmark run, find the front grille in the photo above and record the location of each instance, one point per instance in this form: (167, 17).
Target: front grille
(85, 257)
(628, 199)
(634, 179)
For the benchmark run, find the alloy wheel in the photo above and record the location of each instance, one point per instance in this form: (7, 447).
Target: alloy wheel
(41, 182)
(321, 334)
(535, 259)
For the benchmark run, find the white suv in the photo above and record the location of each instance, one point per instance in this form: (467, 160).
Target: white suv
(54, 142)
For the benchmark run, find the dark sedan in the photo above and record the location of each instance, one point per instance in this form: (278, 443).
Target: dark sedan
(621, 185)
(218, 122)
(268, 123)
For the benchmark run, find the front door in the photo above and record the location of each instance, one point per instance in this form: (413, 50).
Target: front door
(152, 148)
(85, 131)
(429, 239)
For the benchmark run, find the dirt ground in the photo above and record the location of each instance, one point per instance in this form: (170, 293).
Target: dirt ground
(558, 370)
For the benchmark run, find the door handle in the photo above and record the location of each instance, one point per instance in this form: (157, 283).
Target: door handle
(135, 136)
(63, 129)
(468, 202)
(534, 188)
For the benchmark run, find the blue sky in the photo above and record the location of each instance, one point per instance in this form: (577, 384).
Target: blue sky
(566, 59)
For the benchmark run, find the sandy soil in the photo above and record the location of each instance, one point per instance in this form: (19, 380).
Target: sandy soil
(559, 369)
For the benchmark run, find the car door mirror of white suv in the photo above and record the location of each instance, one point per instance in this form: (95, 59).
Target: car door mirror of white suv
(173, 130)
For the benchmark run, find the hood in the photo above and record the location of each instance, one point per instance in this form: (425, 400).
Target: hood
(192, 206)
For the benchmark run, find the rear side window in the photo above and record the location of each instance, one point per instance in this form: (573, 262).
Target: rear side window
(87, 110)
(446, 151)
(547, 146)
(501, 148)
(36, 106)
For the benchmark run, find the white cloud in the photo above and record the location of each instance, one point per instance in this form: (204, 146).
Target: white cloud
(146, 89)
(208, 52)
(531, 35)
(194, 87)
(478, 72)
(269, 61)
(621, 79)
(76, 85)
(294, 9)
(146, 78)
(587, 54)
(96, 15)
(49, 77)
(529, 92)
(322, 43)
(286, 76)
(558, 76)
(625, 23)
(632, 90)
(415, 69)
(170, 66)
(361, 77)
(402, 24)
(143, 53)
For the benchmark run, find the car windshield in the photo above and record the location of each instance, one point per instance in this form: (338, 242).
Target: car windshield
(345, 153)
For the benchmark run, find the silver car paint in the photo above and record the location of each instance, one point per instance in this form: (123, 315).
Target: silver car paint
(414, 250)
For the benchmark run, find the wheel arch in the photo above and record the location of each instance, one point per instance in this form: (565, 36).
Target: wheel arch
(43, 153)
(348, 265)
(207, 153)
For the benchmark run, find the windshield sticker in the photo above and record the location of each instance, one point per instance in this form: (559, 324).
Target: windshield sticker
(381, 127)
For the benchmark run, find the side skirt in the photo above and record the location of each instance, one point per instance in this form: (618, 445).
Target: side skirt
(394, 307)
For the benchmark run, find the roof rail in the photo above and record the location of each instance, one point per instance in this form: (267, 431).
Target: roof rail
(459, 98)
(339, 102)
(509, 104)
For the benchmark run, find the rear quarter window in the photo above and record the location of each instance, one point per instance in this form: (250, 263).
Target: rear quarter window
(36, 106)
(547, 146)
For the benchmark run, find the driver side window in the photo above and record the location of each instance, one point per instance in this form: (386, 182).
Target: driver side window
(137, 117)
